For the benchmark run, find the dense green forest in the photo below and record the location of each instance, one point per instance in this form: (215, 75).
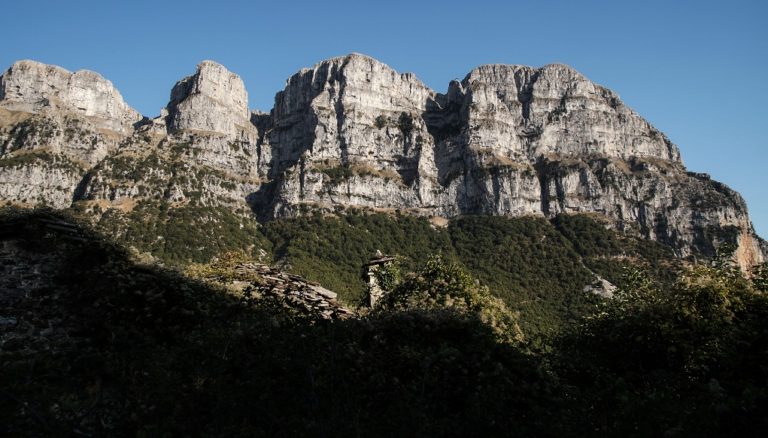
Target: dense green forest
(110, 346)
(538, 267)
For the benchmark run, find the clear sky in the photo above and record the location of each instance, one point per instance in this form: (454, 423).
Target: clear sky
(697, 70)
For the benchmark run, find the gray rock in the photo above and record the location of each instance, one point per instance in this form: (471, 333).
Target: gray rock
(213, 100)
(601, 287)
(352, 132)
(323, 292)
(507, 140)
(31, 86)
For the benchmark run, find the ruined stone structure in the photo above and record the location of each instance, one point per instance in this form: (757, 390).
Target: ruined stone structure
(370, 275)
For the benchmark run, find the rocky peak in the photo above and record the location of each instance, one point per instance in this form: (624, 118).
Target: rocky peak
(212, 100)
(360, 76)
(555, 111)
(345, 110)
(31, 86)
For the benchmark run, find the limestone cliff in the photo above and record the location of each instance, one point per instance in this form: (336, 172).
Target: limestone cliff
(506, 140)
(32, 87)
(352, 132)
(212, 100)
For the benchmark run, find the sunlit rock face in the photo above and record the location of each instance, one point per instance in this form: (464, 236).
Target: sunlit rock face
(506, 140)
(352, 132)
(213, 100)
(31, 86)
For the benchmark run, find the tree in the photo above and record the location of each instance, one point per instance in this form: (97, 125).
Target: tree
(441, 285)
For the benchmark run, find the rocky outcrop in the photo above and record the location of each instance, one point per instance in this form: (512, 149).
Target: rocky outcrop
(352, 130)
(213, 100)
(197, 157)
(167, 172)
(78, 139)
(296, 292)
(349, 131)
(39, 179)
(33, 87)
(256, 282)
(524, 113)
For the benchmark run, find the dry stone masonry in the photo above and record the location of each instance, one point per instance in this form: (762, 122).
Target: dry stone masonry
(292, 291)
(350, 132)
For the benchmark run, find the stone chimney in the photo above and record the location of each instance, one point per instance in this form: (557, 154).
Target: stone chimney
(375, 291)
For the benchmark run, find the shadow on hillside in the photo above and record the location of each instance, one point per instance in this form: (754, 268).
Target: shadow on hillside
(93, 343)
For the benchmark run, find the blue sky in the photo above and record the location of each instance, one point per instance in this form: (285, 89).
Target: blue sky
(697, 70)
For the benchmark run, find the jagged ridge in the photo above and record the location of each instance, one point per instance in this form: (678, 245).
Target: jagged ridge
(352, 132)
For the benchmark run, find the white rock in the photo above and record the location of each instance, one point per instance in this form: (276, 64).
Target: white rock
(213, 100)
(30, 86)
(352, 132)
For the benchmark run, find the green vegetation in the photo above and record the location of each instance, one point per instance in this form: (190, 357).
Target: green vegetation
(441, 286)
(343, 172)
(185, 234)
(389, 275)
(527, 263)
(38, 127)
(104, 346)
(150, 168)
(332, 250)
(609, 254)
(405, 124)
(337, 174)
(687, 359)
(539, 269)
(49, 160)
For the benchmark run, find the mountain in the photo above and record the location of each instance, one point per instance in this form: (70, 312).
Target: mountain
(352, 133)
(538, 189)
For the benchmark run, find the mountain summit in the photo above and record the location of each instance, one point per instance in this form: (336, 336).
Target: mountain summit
(350, 132)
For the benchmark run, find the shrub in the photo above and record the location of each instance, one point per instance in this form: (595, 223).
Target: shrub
(405, 123)
(441, 285)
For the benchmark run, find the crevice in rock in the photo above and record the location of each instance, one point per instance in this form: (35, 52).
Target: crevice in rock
(541, 173)
(524, 81)
(302, 174)
(340, 119)
(82, 186)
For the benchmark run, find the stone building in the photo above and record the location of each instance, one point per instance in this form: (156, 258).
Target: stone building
(370, 269)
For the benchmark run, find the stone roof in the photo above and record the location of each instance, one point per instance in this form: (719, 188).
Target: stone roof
(291, 290)
(379, 260)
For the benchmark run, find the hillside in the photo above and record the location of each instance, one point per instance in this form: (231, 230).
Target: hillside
(93, 342)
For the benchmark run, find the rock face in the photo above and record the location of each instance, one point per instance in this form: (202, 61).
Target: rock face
(212, 100)
(525, 113)
(31, 86)
(506, 140)
(352, 132)
(67, 137)
(475, 149)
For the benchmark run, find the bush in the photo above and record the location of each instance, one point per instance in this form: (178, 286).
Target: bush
(381, 121)
(446, 286)
(663, 360)
(405, 124)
